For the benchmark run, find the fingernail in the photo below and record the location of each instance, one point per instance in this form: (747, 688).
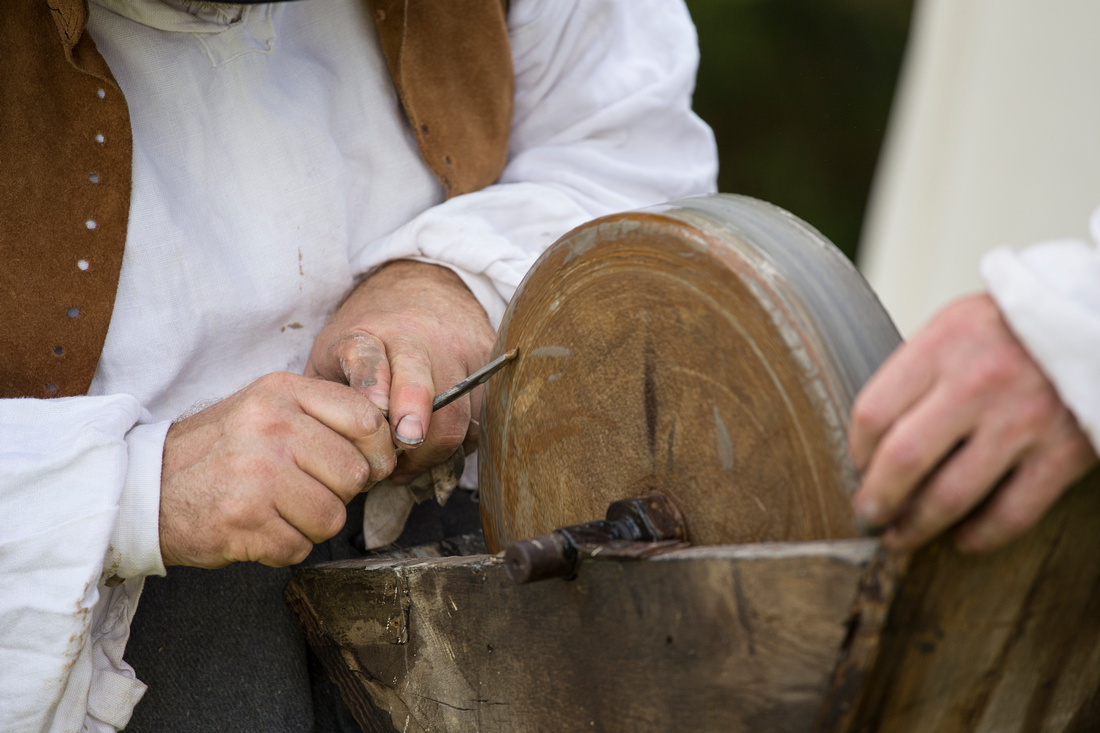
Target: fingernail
(380, 398)
(866, 529)
(410, 431)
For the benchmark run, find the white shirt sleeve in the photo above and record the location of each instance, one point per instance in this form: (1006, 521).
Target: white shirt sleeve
(1050, 295)
(602, 123)
(79, 500)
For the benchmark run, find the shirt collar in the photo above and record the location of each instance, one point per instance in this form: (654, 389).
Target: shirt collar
(181, 16)
(225, 31)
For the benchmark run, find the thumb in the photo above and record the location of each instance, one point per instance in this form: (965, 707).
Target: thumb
(358, 360)
(367, 369)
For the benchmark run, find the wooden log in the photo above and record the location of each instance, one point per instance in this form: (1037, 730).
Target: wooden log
(1006, 642)
(703, 639)
(709, 349)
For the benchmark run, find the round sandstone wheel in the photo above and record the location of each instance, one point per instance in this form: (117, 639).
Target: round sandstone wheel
(709, 348)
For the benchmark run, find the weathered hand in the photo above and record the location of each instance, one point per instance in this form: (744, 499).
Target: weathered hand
(961, 426)
(408, 332)
(265, 473)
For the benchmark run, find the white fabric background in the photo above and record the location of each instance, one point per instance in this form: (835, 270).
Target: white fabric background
(994, 140)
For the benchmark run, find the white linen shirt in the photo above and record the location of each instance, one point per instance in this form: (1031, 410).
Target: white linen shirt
(1049, 294)
(272, 165)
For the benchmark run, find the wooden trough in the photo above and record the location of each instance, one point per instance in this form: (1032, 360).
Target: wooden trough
(709, 349)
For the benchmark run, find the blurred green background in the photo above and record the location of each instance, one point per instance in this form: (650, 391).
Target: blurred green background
(798, 93)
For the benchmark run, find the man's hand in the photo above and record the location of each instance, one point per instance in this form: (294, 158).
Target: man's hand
(408, 332)
(265, 473)
(961, 426)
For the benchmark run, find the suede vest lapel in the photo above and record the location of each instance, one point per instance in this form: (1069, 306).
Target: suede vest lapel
(64, 198)
(66, 147)
(452, 66)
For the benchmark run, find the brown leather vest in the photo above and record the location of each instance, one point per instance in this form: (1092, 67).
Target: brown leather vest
(65, 158)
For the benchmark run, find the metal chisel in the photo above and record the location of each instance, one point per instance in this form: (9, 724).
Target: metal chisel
(479, 377)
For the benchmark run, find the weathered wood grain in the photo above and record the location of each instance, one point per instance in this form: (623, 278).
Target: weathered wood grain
(709, 349)
(1007, 642)
(704, 639)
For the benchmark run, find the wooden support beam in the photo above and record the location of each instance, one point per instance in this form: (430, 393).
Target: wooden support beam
(1007, 642)
(730, 638)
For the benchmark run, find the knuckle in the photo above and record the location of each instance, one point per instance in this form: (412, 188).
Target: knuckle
(334, 521)
(382, 466)
(950, 324)
(867, 416)
(1035, 414)
(350, 474)
(966, 320)
(236, 510)
(992, 373)
(1007, 365)
(902, 454)
(257, 415)
(963, 317)
(251, 411)
(360, 476)
(367, 416)
(298, 553)
(285, 549)
(951, 500)
(276, 382)
(237, 548)
(1013, 519)
(413, 357)
(231, 512)
(983, 312)
(363, 345)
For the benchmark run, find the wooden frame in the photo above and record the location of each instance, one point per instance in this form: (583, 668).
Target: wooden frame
(831, 636)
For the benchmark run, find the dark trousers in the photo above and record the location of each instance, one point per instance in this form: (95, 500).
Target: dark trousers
(221, 652)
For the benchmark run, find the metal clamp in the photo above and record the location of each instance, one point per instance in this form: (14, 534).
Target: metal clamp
(652, 521)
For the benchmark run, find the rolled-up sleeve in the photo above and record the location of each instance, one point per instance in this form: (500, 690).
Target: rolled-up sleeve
(602, 122)
(79, 499)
